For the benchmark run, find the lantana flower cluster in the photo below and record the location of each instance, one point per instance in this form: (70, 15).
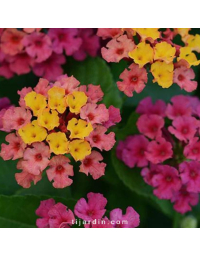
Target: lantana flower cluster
(44, 51)
(167, 149)
(91, 212)
(55, 123)
(154, 50)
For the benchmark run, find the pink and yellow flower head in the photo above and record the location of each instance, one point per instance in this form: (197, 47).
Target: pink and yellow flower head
(154, 50)
(63, 119)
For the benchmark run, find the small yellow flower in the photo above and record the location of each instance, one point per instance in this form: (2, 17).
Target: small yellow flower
(164, 51)
(193, 42)
(142, 54)
(148, 33)
(57, 99)
(48, 119)
(58, 143)
(163, 73)
(79, 128)
(189, 56)
(32, 132)
(79, 149)
(35, 101)
(76, 100)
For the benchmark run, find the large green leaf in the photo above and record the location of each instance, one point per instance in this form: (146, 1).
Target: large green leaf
(19, 211)
(96, 71)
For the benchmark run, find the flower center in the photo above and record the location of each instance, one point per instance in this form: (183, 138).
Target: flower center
(15, 39)
(38, 43)
(59, 168)
(134, 79)
(120, 51)
(95, 138)
(180, 77)
(90, 116)
(38, 157)
(168, 178)
(185, 130)
(20, 121)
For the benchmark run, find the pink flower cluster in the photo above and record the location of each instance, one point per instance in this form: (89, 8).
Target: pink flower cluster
(57, 215)
(39, 155)
(43, 50)
(168, 149)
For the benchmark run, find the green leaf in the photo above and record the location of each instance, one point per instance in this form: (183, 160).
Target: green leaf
(19, 211)
(130, 128)
(134, 181)
(96, 71)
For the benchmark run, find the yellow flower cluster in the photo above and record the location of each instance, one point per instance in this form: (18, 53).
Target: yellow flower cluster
(47, 111)
(162, 55)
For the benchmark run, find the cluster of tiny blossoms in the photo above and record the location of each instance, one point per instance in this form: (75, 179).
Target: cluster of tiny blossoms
(57, 121)
(43, 50)
(168, 149)
(57, 215)
(152, 49)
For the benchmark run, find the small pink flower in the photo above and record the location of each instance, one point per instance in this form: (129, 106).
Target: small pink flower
(20, 63)
(16, 117)
(42, 87)
(22, 94)
(192, 150)
(65, 39)
(70, 84)
(109, 32)
(120, 148)
(148, 174)
(4, 105)
(38, 46)
(36, 158)
(93, 209)
(150, 125)
(183, 77)
(42, 211)
(11, 41)
(134, 151)
(50, 68)
(129, 220)
(90, 44)
(184, 128)
(190, 175)
(91, 165)
(146, 106)
(166, 182)
(183, 200)
(180, 107)
(99, 139)
(159, 151)
(24, 178)
(117, 49)
(14, 149)
(95, 114)
(94, 92)
(134, 79)
(60, 216)
(59, 171)
(114, 117)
